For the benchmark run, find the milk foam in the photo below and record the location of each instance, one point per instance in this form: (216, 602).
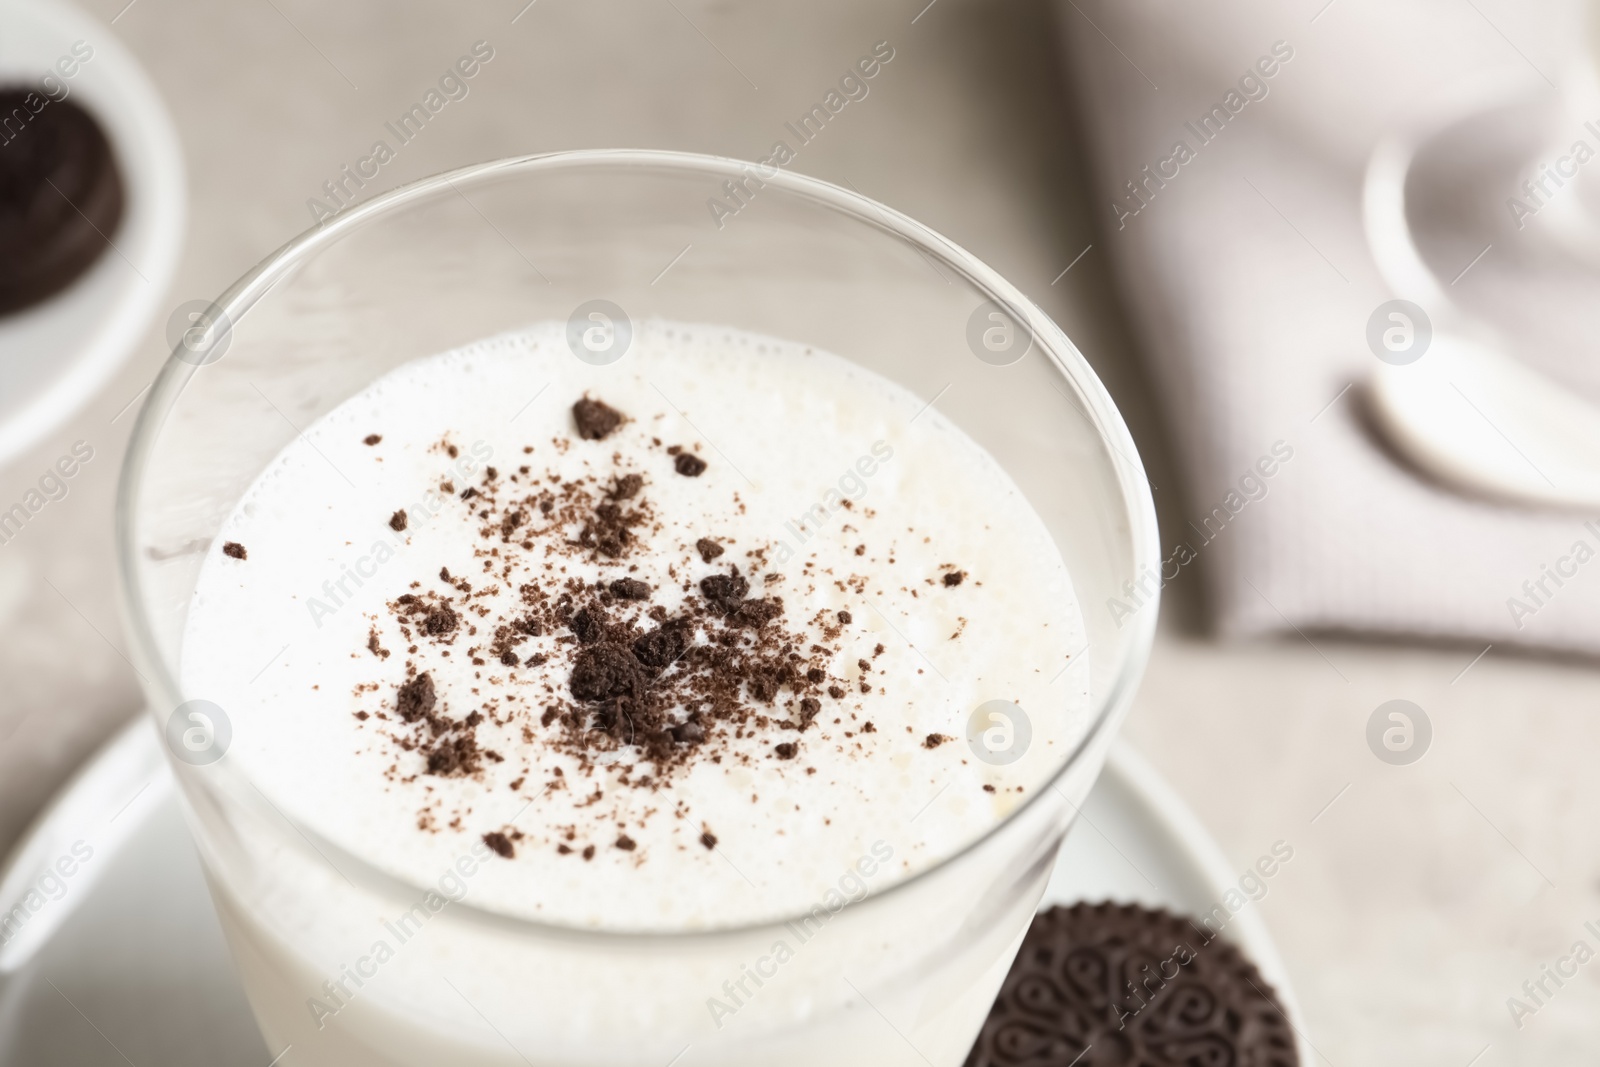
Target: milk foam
(853, 495)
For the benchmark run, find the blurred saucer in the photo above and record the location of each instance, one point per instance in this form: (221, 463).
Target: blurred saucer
(56, 355)
(128, 964)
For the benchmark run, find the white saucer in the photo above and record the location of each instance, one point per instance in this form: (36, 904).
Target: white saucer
(129, 966)
(56, 355)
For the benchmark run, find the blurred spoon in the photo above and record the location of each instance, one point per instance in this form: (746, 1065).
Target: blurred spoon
(1467, 412)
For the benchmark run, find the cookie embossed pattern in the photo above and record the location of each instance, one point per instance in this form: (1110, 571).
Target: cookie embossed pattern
(1109, 983)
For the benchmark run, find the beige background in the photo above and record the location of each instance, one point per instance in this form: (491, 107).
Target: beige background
(1415, 904)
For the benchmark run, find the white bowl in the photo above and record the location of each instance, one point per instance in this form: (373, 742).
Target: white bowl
(57, 354)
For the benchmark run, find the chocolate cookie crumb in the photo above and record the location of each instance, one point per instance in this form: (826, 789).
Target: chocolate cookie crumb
(708, 839)
(441, 620)
(595, 418)
(954, 578)
(786, 750)
(234, 549)
(689, 465)
(763, 685)
(630, 589)
(455, 756)
(416, 697)
(605, 672)
(626, 843)
(397, 521)
(709, 549)
(846, 618)
(588, 852)
(757, 613)
(725, 591)
(588, 626)
(500, 843)
(659, 648)
(934, 740)
(627, 487)
(372, 438)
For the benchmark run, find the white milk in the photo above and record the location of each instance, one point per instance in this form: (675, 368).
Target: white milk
(828, 487)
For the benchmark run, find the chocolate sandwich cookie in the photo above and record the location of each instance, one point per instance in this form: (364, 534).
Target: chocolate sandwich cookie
(1102, 984)
(61, 195)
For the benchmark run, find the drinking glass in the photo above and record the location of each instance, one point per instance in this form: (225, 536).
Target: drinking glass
(903, 976)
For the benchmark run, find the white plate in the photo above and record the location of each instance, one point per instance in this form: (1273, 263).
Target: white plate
(56, 355)
(128, 965)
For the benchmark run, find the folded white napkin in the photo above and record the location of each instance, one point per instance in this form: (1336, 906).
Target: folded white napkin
(1229, 141)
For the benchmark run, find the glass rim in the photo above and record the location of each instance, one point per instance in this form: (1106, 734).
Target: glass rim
(1052, 341)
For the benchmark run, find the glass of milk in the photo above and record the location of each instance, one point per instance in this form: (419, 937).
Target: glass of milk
(881, 936)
